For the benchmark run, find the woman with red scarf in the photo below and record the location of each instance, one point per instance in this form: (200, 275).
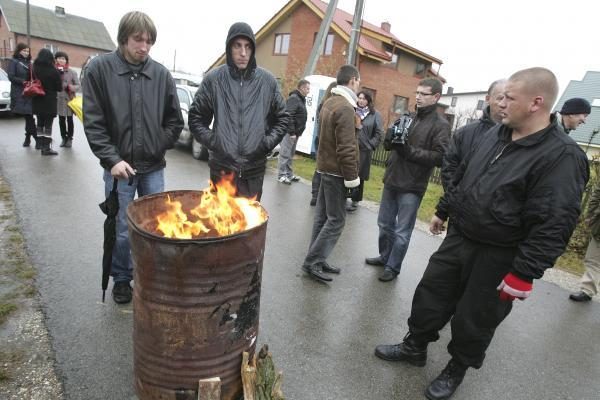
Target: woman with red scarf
(70, 84)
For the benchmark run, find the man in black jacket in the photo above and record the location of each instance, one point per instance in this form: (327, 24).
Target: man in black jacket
(513, 209)
(248, 111)
(128, 130)
(296, 108)
(406, 176)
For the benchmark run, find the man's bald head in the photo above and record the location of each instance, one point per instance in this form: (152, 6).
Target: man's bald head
(538, 82)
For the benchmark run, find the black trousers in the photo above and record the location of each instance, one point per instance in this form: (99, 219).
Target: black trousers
(460, 284)
(357, 195)
(66, 127)
(30, 128)
(246, 187)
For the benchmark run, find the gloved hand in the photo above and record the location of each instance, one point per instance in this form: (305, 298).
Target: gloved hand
(513, 287)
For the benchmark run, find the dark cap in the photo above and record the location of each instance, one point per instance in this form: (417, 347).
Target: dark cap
(576, 105)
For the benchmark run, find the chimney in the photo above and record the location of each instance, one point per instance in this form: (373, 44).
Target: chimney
(386, 26)
(59, 11)
(450, 90)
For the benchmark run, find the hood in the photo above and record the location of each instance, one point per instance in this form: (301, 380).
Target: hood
(297, 93)
(240, 29)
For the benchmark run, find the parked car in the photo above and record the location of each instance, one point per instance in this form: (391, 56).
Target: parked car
(186, 139)
(4, 92)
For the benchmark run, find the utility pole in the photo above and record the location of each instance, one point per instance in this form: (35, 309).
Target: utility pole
(28, 31)
(355, 34)
(317, 49)
(174, 59)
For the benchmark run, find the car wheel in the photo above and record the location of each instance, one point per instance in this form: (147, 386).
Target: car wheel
(199, 152)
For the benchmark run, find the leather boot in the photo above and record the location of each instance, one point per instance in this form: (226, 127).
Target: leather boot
(46, 149)
(27, 141)
(409, 350)
(69, 143)
(63, 142)
(444, 386)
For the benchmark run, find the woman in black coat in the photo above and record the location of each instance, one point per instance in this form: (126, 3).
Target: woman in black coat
(370, 134)
(18, 74)
(44, 107)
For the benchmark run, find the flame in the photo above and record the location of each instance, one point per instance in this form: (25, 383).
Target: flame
(220, 213)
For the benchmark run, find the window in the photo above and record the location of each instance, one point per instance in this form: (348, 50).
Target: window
(400, 105)
(328, 46)
(420, 69)
(53, 48)
(454, 101)
(282, 43)
(372, 91)
(11, 44)
(480, 104)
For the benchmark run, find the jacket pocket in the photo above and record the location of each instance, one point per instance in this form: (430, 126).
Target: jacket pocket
(507, 205)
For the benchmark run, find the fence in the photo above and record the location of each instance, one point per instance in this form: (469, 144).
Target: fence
(380, 156)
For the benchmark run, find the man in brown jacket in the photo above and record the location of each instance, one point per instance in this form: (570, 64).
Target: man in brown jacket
(337, 162)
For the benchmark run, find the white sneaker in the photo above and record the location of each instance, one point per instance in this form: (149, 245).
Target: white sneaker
(294, 178)
(284, 179)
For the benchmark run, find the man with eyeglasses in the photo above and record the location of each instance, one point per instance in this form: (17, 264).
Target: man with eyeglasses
(421, 147)
(247, 112)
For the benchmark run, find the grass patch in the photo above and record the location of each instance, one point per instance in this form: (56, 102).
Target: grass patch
(9, 358)
(5, 310)
(570, 261)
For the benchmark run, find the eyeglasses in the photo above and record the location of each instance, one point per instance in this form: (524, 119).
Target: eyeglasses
(423, 94)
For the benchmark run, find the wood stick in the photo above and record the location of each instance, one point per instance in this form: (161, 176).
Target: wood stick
(248, 376)
(209, 389)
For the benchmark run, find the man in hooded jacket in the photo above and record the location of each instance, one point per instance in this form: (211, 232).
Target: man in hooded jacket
(248, 114)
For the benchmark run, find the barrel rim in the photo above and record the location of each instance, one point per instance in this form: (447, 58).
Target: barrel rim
(154, 236)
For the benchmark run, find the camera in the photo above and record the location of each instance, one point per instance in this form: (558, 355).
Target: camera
(398, 132)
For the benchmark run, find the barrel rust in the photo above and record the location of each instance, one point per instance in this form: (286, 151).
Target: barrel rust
(196, 303)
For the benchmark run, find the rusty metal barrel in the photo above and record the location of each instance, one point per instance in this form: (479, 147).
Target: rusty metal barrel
(195, 303)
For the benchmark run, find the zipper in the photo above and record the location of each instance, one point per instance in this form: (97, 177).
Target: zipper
(241, 119)
(499, 154)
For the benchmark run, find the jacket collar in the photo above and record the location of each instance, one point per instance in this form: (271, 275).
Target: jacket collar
(505, 134)
(346, 93)
(423, 111)
(123, 67)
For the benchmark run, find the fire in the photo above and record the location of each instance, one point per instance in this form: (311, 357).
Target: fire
(220, 213)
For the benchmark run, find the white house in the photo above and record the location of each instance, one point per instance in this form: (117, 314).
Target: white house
(463, 107)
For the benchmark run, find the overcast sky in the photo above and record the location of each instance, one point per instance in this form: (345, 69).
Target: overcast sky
(478, 41)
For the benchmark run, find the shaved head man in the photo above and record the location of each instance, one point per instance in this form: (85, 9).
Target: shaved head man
(513, 206)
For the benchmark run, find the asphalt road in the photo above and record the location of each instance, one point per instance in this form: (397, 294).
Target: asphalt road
(322, 336)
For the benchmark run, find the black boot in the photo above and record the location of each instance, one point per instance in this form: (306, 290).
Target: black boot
(444, 386)
(69, 142)
(46, 149)
(38, 143)
(63, 141)
(27, 141)
(409, 350)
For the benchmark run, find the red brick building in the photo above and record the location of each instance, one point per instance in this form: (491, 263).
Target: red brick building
(390, 68)
(52, 29)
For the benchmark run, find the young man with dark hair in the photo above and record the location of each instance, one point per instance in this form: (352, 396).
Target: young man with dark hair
(413, 158)
(296, 108)
(337, 162)
(248, 112)
(130, 141)
(513, 210)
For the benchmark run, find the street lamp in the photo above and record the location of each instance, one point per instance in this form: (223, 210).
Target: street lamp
(594, 133)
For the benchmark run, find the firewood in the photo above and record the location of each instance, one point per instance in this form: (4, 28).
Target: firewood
(267, 382)
(209, 389)
(248, 376)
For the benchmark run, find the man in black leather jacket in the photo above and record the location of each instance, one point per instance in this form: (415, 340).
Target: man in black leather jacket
(247, 110)
(514, 208)
(131, 116)
(407, 172)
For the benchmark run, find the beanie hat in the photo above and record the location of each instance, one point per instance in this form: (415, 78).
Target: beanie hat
(576, 105)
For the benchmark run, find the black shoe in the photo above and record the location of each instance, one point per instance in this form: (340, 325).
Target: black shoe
(313, 202)
(329, 268)
(38, 144)
(294, 178)
(408, 351)
(122, 292)
(377, 261)
(580, 297)
(352, 206)
(316, 273)
(69, 143)
(63, 142)
(27, 141)
(388, 275)
(49, 152)
(444, 386)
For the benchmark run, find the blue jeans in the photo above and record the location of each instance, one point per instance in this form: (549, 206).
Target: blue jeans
(396, 220)
(152, 182)
(330, 218)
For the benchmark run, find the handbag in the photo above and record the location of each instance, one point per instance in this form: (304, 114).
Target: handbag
(33, 87)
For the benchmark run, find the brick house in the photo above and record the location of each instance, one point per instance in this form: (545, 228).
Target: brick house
(389, 68)
(52, 29)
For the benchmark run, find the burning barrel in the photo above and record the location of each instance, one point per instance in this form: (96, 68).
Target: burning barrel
(196, 300)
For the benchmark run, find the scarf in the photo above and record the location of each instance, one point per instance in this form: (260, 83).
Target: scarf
(362, 112)
(346, 93)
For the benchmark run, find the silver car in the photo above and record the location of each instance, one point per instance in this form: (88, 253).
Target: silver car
(186, 139)
(4, 92)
